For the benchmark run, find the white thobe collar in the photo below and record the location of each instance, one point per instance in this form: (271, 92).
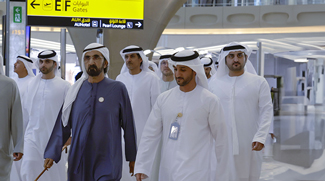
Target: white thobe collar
(135, 75)
(190, 92)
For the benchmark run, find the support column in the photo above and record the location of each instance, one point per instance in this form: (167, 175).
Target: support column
(6, 58)
(63, 52)
(157, 14)
(260, 59)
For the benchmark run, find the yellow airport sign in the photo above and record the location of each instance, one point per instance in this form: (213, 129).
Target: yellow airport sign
(71, 11)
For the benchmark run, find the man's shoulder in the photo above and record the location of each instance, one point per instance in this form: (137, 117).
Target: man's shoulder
(164, 96)
(217, 82)
(214, 78)
(6, 81)
(206, 93)
(111, 82)
(62, 81)
(29, 78)
(121, 76)
(254, 77)
(152, 75)
(168, 92)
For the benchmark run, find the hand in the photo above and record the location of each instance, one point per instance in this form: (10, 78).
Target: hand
(131, 165)
(257, 146)
(17, 156)
(272, 136)
(68, 142)
(48, 163)
(141, 176)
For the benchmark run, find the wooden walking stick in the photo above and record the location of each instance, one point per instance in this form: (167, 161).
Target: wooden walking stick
(45, 169)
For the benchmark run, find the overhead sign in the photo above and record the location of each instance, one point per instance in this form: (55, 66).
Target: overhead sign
(120, 14)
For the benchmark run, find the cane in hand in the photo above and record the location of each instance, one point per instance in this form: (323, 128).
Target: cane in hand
(45, 169)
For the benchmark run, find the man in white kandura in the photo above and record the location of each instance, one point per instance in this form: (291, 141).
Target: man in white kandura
(187, 118)
(143, 88)
(209, 67)
(44, 99)
(23, 68)
(11, 125)
(166, 75)
(247, 103)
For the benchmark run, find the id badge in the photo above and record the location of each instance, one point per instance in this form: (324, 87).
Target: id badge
(174, 131)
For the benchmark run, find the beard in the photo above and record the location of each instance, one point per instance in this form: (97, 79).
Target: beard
(94, 71)
(45, 70)
(236, 66)
(184, 81)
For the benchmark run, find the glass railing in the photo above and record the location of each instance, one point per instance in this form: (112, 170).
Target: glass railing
(213, 3)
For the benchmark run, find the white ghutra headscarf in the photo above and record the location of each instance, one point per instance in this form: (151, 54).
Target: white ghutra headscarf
(208, 62)
(48, 54)
(233, 46)
(191, 59)
(28, 62)
(165, 58)
(134, 49)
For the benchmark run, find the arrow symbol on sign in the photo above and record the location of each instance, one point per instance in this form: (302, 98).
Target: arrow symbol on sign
(33, 4)
(138, 24)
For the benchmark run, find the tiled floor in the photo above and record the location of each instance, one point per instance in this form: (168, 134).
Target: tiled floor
(298, 153)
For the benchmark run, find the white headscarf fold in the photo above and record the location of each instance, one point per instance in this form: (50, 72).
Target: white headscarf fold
(233, 46)
(208, 62)
(134, 49)
(73, 91)
(170, 64)
(191, 59)
(1, 65)
(28, 62)
(154, 66)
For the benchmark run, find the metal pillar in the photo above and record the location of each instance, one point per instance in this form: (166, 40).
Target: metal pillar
(100, 36)
(63, 52)
(7, 36)
(157, 15)
(260, 59)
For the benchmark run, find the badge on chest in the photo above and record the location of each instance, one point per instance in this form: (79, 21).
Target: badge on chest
(174, 128)
(101, 99)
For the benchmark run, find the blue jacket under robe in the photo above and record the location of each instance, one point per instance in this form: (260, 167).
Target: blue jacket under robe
(95, 151)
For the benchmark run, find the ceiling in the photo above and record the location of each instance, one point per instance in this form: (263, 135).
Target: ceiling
(290, 47)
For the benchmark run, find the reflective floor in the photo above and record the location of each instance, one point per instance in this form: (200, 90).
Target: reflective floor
(298, 152)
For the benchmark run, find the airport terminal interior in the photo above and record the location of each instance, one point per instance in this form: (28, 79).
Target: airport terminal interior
(287, 38)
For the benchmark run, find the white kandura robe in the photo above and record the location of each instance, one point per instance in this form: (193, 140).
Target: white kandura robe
(189, 157)
(143, 90)
(22, 84)
(43, 109)
(164, 86)
(247, 103)
(11, 125)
